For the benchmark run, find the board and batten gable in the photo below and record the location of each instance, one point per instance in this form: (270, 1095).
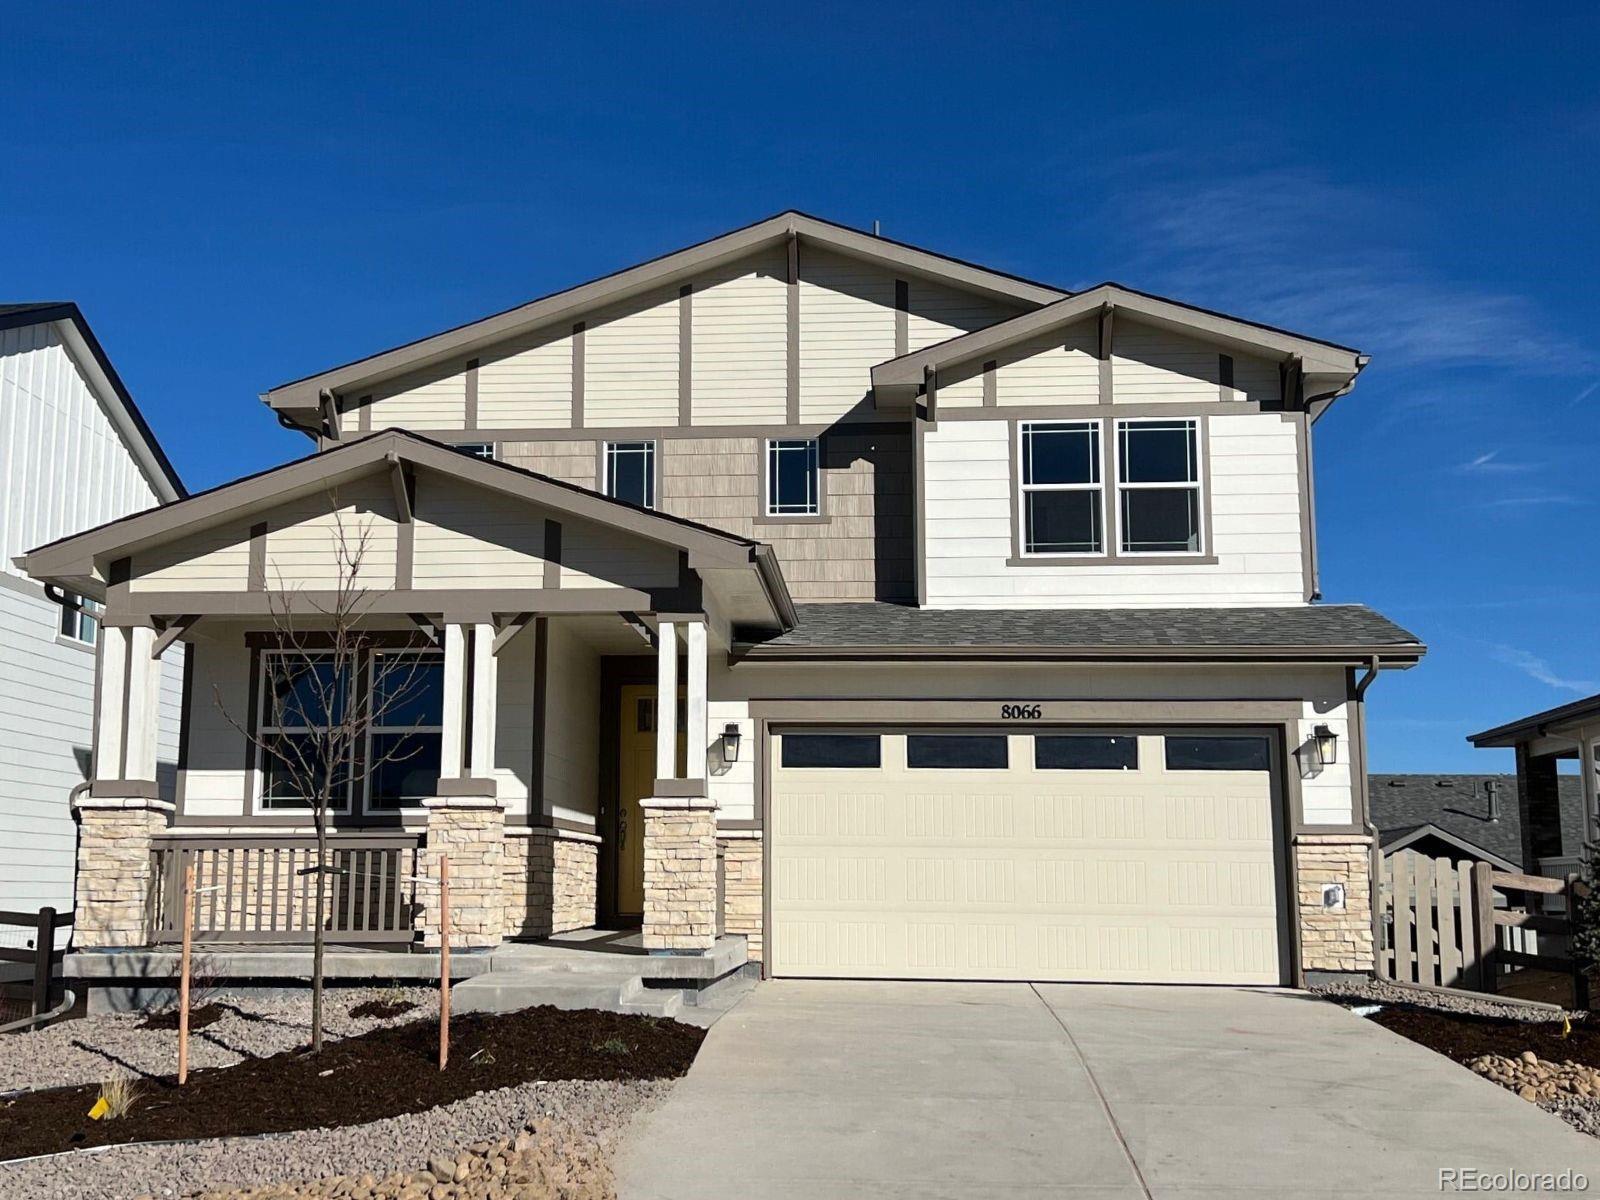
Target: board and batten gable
(66, 467)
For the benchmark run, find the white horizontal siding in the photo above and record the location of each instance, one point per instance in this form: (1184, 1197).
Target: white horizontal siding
(630, 364)
(740, 359)
(937, 313)
(1150, 365)
(1254, 533)
(1058, 369)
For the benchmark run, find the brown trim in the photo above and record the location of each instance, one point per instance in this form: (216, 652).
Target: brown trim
(1225, 377)
(256, 575)
(729, 825)
(991, 384)
(1103, 351)
(862, 424)
(679, 789)
(463, 604)
(552, 555)
(364, 415)
(1097, 412)
(792, 293)
(405, 550)
(919, 505)
(118, 789)
(1396, 656)
(469, 704)
(686, 354)
(471, 417)
(541, 710)
(1308, 507)
(466, 785)
(900, 711)
(578, 369)
(902, 316)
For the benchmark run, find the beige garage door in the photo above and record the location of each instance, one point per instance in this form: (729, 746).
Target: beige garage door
(1057, 855)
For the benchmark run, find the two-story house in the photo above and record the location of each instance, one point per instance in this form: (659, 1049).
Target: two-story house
(74, 453)
(989, 610)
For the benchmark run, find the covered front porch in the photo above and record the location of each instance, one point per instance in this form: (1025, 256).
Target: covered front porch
(534, 627)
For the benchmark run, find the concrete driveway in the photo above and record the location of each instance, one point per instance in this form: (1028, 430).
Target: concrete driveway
(821, 1089)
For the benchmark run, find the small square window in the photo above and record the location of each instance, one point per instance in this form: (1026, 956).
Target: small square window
(794, 483)
(630, 472)
(957, 751)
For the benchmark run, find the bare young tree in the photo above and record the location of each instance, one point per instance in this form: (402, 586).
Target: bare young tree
(332, 679)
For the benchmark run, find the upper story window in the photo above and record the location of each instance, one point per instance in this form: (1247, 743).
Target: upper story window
(1158, 487)
(476, 449)
(630, 472)
(794, 483)
(80, 618)
(1062, 500)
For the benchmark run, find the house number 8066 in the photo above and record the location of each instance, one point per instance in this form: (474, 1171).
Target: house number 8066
(1020, 712)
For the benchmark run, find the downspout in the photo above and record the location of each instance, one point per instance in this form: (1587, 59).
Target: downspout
(78, 789)
(1358, 694)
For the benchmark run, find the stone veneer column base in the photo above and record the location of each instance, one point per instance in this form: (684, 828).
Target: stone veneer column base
(741, 888)
(550, 881)
(1335, 939)
(115, 867)
(471, 830)
(680, 873)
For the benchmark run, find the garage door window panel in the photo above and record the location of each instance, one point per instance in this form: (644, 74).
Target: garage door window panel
(957, 752)
(842, 751)
(1218, 753)
(1085, 752)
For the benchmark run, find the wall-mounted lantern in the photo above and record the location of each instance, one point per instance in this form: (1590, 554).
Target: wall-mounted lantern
(730, 743)
(1327, 743)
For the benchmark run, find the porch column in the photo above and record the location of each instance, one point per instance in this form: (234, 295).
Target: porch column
(465, 819)
(680, 820)
(121, 812)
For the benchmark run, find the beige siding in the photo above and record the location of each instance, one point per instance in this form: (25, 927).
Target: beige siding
(1151, 365)
(631, 364)
(569, 461)
(470, 537)
(309, 540)
(214, 784)
(846, 325)
(1059, 369)
(595, 556)
(1255, 529)
(527, 383)
(513, 726)
(936, 313)
(214, 560)
(571, 743)
(741, 337)
(417, 403)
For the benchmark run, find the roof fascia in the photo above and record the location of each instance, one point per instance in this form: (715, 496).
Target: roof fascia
(302, 395)
(1551, 720)
(1319, 358)
(1392, 657)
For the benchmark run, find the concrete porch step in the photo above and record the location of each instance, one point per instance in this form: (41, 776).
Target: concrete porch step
(563, 987)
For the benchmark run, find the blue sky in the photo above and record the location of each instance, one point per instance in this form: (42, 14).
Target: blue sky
(239, 195)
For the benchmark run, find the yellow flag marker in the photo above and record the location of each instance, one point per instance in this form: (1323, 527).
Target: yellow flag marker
(1566, 1026)
(100, 1109)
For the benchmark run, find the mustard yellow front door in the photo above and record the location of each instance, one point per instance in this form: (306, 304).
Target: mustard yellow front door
(636, 774)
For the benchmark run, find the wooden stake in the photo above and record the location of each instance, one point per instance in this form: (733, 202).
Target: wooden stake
(444, 960)
(183, 975)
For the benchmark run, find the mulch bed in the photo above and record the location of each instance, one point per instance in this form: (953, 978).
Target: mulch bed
(385, 1073)
(383, 1010)
(199, 1018)
(1464, 1037)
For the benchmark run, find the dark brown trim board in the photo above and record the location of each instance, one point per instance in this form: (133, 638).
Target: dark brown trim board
(792, 291)
(577, 374)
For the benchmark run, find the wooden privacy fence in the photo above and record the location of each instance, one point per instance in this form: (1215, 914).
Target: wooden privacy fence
(42, 957)
(1466, 925)
(262, 889)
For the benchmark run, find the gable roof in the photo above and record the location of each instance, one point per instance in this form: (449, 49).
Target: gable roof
(1321, 633)
(1575, 713)
(302, 395)
(123, 412)
(1459, 805)
(79, 557)
(1406, 839)
(898, 378)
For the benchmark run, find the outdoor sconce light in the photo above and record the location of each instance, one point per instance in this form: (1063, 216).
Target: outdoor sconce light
(730, 743)
(1327, 745)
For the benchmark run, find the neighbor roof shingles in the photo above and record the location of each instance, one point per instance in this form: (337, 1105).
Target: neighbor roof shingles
(1459, 804)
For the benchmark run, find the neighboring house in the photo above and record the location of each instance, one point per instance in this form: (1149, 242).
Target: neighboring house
(1466, 817)
(1542, 741)
(74, 453)
(990, 609)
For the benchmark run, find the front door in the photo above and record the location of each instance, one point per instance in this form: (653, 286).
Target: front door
(636, 775)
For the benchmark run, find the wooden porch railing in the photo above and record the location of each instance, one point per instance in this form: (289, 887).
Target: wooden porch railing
(260, 889)
(1466, 925)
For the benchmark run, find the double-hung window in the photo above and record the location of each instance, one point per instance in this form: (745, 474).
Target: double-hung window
(1062, 494)
(304, 702)
(793, 481)
(80, 618)
(630, 472)
(406, 734)
(1158, 487)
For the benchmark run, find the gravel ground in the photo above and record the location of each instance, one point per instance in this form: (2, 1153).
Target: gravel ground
(578, 1120)
(1382, 991)
(94, 1049)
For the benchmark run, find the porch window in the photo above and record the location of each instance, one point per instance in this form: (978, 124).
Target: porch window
(80, 618)
(630, 472)
(304, 701)
(1062, 496)
(793, 480)
(1158, 487)
(476, 449)
(406, 736)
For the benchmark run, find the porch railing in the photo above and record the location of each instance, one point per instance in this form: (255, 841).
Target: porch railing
(259, 888)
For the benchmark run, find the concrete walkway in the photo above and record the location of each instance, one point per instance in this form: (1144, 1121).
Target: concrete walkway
(820, 1089)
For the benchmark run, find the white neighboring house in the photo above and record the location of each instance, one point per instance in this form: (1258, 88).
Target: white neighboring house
(74, 453)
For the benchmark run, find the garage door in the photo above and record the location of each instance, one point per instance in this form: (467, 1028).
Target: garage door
(1056, 855)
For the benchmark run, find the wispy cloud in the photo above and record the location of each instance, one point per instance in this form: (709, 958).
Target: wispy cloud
(1586, 393)
(1490, 463)
(1537, 668)
(1541, 498)
(1302, 250)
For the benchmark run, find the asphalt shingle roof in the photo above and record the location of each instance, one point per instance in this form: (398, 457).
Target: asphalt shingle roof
(1459, 804)
(893, 625)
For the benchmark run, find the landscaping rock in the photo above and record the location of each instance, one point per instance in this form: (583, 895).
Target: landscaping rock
(1382, 991)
